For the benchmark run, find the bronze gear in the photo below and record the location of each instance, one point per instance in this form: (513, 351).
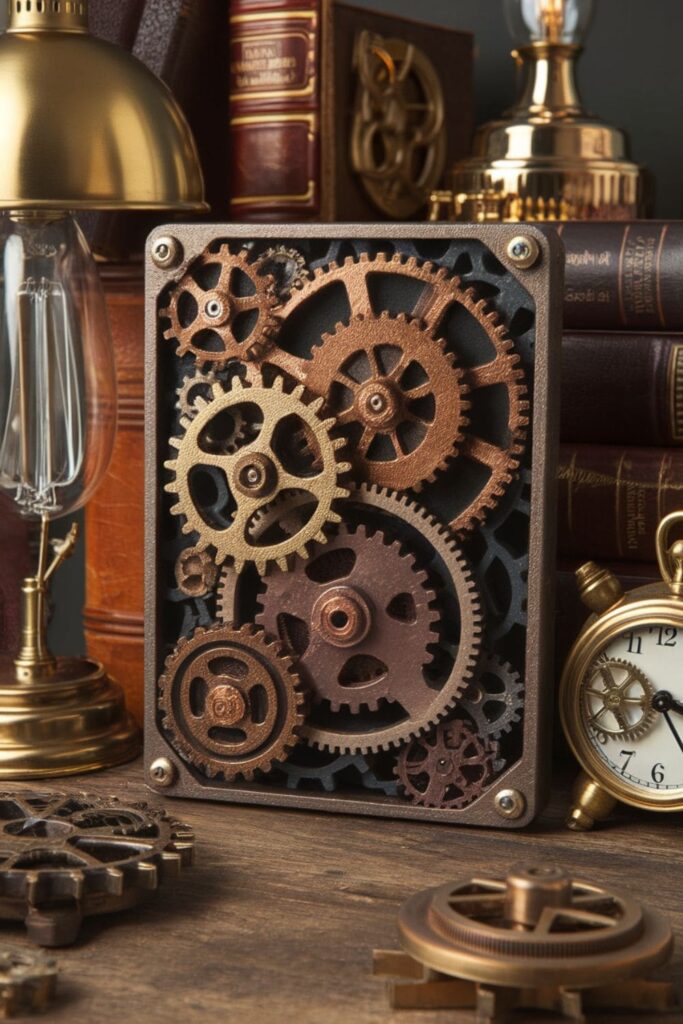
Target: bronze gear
(28, 981)
(67, 856)
(196, 572)
(450, 768)
(495, 699)
(194, 385)
(221, 308)
(231, 701)
(360, 634)
(621, 704)
(440, 293)
(286, 266)
(397, 393)
(256, 474)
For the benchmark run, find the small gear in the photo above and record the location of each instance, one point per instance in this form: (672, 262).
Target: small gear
(440, 293)
(449, 768)
(194, 385)
(495, 700)
(358, 617)
(196, 572)
(67, 856)
(231, 701)
(230, 315)
(397, 394)
(308, 768)
(286, 266)
(256, 473)
(618, 699)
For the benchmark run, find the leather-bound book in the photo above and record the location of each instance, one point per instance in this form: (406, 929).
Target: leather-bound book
(622, 388)
(113, 617)
(16, 564)
(611, 499)
(623, 276)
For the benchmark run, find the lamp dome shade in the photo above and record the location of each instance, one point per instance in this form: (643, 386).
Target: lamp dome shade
(83, 125)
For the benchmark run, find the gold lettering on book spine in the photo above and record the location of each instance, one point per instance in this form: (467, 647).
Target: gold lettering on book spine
(675, 391)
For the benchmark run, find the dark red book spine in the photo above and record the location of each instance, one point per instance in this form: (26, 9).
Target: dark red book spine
(622, 389)
(611, 499)
(623, 275)
(275, 109)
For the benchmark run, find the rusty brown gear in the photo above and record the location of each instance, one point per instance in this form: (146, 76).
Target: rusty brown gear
(219, 307)
(449, 768)
(397, 393)
(196, 572)
(440, 293)
(358, 617)
(231, 701)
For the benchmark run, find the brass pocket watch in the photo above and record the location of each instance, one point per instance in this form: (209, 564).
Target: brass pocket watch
(621, 695)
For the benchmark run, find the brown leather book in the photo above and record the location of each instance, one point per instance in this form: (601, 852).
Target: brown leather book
(113, 616)
(611, 499)
(16, 564)
(297, 94)
(623, 276)
(622, 388)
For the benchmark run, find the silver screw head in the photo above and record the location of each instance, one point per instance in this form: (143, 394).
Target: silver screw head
(524, 251)
(163, 772)
(167, 252)
(510, 803)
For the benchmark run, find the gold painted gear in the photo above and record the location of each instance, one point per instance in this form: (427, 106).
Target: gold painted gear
(622, 708)
(256, 474)
(223, 309)
(231, 701)
(440, 293)
(396, 391)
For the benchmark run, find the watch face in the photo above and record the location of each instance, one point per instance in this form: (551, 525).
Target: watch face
(632, 709)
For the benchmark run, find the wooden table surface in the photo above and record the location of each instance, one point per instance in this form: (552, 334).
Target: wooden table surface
(277, 919)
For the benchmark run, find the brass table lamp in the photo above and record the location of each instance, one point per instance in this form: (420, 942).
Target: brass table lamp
(82, 126)
(547, 158)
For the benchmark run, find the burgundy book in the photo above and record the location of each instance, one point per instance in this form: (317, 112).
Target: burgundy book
(623, 275)
(611, 499)
(622, 389)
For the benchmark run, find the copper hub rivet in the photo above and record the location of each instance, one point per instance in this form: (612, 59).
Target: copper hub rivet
(227, 705)
(342, 616)
(255, 475)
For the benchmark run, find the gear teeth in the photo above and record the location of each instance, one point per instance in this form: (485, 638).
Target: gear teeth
(174, 442)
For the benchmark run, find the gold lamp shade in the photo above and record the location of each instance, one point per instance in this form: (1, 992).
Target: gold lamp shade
(83, 125)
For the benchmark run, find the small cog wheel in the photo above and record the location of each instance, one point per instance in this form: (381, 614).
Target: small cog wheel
(287, 267)
(196, 572)
(222, 309)
(254, 475)
(495, 700)
(231, 701)
(194, 385)
(618, 699)
(449, 768)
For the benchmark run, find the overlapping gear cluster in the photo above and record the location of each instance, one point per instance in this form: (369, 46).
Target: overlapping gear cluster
(297, 480)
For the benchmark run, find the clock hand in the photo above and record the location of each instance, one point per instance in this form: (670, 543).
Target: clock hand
(664, 701)
(677, 737)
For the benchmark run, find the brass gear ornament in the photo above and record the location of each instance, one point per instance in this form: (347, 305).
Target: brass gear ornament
(231, 701)
(618, 699)
(229, 318)
(256, 473)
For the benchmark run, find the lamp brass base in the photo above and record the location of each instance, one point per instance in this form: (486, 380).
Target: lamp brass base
(75, 721)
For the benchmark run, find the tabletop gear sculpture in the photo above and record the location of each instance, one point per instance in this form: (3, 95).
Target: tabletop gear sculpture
(64, 857)
(28, 981)
(535, 939)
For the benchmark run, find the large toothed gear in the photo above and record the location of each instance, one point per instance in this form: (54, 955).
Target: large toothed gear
(495, 699)
(257, 472)
(440, 293)
(450, 768)
(359, 618)
(68, 856)
(231, 701)
(397, 394)
(230, 316)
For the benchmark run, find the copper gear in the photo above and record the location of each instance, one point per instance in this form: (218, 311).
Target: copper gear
(495, 699)
(218, 309)
(231, 701)
(361, 634)
(622, 708)
(196, 572)
(439, 294)
(256, 475)
(450, 768)
(363, 370)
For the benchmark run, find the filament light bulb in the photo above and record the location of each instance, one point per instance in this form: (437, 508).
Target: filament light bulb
(548, 21)
(57, 382)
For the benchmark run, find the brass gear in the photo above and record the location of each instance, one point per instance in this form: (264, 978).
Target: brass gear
(396, 392)
(440, 293)
(622, 706)
(231, 701)
(221, 309)
(449, 768)
(358, 617)
(195, 572)
(256, 473)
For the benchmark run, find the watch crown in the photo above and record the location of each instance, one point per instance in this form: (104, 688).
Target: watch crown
(599, 589)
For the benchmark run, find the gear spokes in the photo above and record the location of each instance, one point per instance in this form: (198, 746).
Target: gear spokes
(618, 699)
(449, 768)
